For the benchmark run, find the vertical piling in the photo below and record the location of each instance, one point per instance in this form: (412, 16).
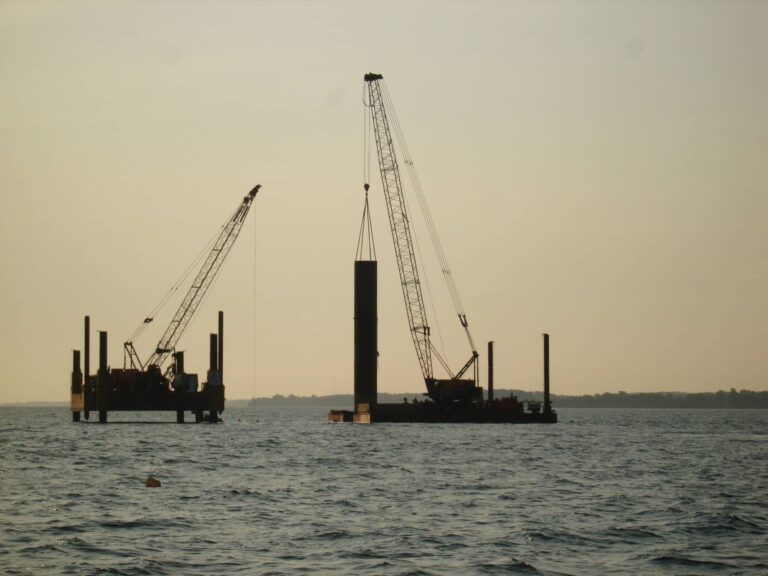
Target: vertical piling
(213, 387)
(102, 390)
(547, 403)
(75, 366)
(87, 398)
(216, 392)
(179, 384)
(366, 333)
(178, 359)
(213, 364)
(76, 389)
(221, 346)
(87, 350)
(490, 372)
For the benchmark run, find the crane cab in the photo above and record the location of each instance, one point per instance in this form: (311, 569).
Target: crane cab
(454, 390)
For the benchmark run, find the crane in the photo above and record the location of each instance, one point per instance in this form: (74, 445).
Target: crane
(453, 388)
(202, 282)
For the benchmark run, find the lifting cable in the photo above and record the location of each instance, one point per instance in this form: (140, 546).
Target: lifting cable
(366, 228)
(430, 298)
(367, 137)
(414, 178)
(164, 300)
(443, 363)
(255, 271)
(408, 161)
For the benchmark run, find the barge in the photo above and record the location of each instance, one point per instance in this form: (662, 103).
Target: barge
(153, 385)
(131, 389)
(479, 410)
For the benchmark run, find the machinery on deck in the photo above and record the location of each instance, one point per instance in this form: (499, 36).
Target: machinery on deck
(455, 388)
(146, 385)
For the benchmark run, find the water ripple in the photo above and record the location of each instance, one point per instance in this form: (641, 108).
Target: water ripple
(281, 492)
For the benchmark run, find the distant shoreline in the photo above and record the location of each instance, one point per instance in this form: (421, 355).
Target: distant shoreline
(733, 399)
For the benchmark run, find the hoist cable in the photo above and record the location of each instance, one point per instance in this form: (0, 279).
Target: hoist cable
(426, 214)
(176, 285)
(365, 228)
(429, 297)
(253, 367)
(407, 160)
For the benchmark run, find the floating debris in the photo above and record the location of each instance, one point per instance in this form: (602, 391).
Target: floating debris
(152, 482)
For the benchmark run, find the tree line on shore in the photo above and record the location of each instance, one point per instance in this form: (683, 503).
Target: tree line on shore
(704, 400)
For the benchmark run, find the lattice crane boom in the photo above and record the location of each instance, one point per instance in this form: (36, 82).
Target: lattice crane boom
(202, 282)
(401, 228)
(454, 388)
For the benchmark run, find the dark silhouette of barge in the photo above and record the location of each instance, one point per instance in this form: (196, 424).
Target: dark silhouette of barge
(457, 400)
(151, 385)
(132, 389)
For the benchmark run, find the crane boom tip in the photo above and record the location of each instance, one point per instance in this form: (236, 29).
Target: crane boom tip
(370, 77)
(252, 193)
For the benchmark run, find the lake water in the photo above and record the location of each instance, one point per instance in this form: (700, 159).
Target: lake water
(283, 492)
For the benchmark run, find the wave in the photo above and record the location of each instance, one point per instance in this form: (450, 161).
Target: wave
(511, 566)
(683, 560)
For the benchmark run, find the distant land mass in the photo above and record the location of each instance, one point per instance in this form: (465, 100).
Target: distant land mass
(704, 400)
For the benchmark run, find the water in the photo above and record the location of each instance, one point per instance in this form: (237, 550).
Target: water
(283, 492)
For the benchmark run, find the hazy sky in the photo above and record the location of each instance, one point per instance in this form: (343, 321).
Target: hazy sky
(596, 170)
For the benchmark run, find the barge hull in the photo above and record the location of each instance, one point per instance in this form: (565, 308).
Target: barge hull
(427, 412)
(146, 390)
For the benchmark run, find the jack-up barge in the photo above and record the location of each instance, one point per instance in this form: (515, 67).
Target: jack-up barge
(149, 386)
(131, 389)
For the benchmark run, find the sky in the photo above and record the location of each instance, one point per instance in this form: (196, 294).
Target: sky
(596, 170)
